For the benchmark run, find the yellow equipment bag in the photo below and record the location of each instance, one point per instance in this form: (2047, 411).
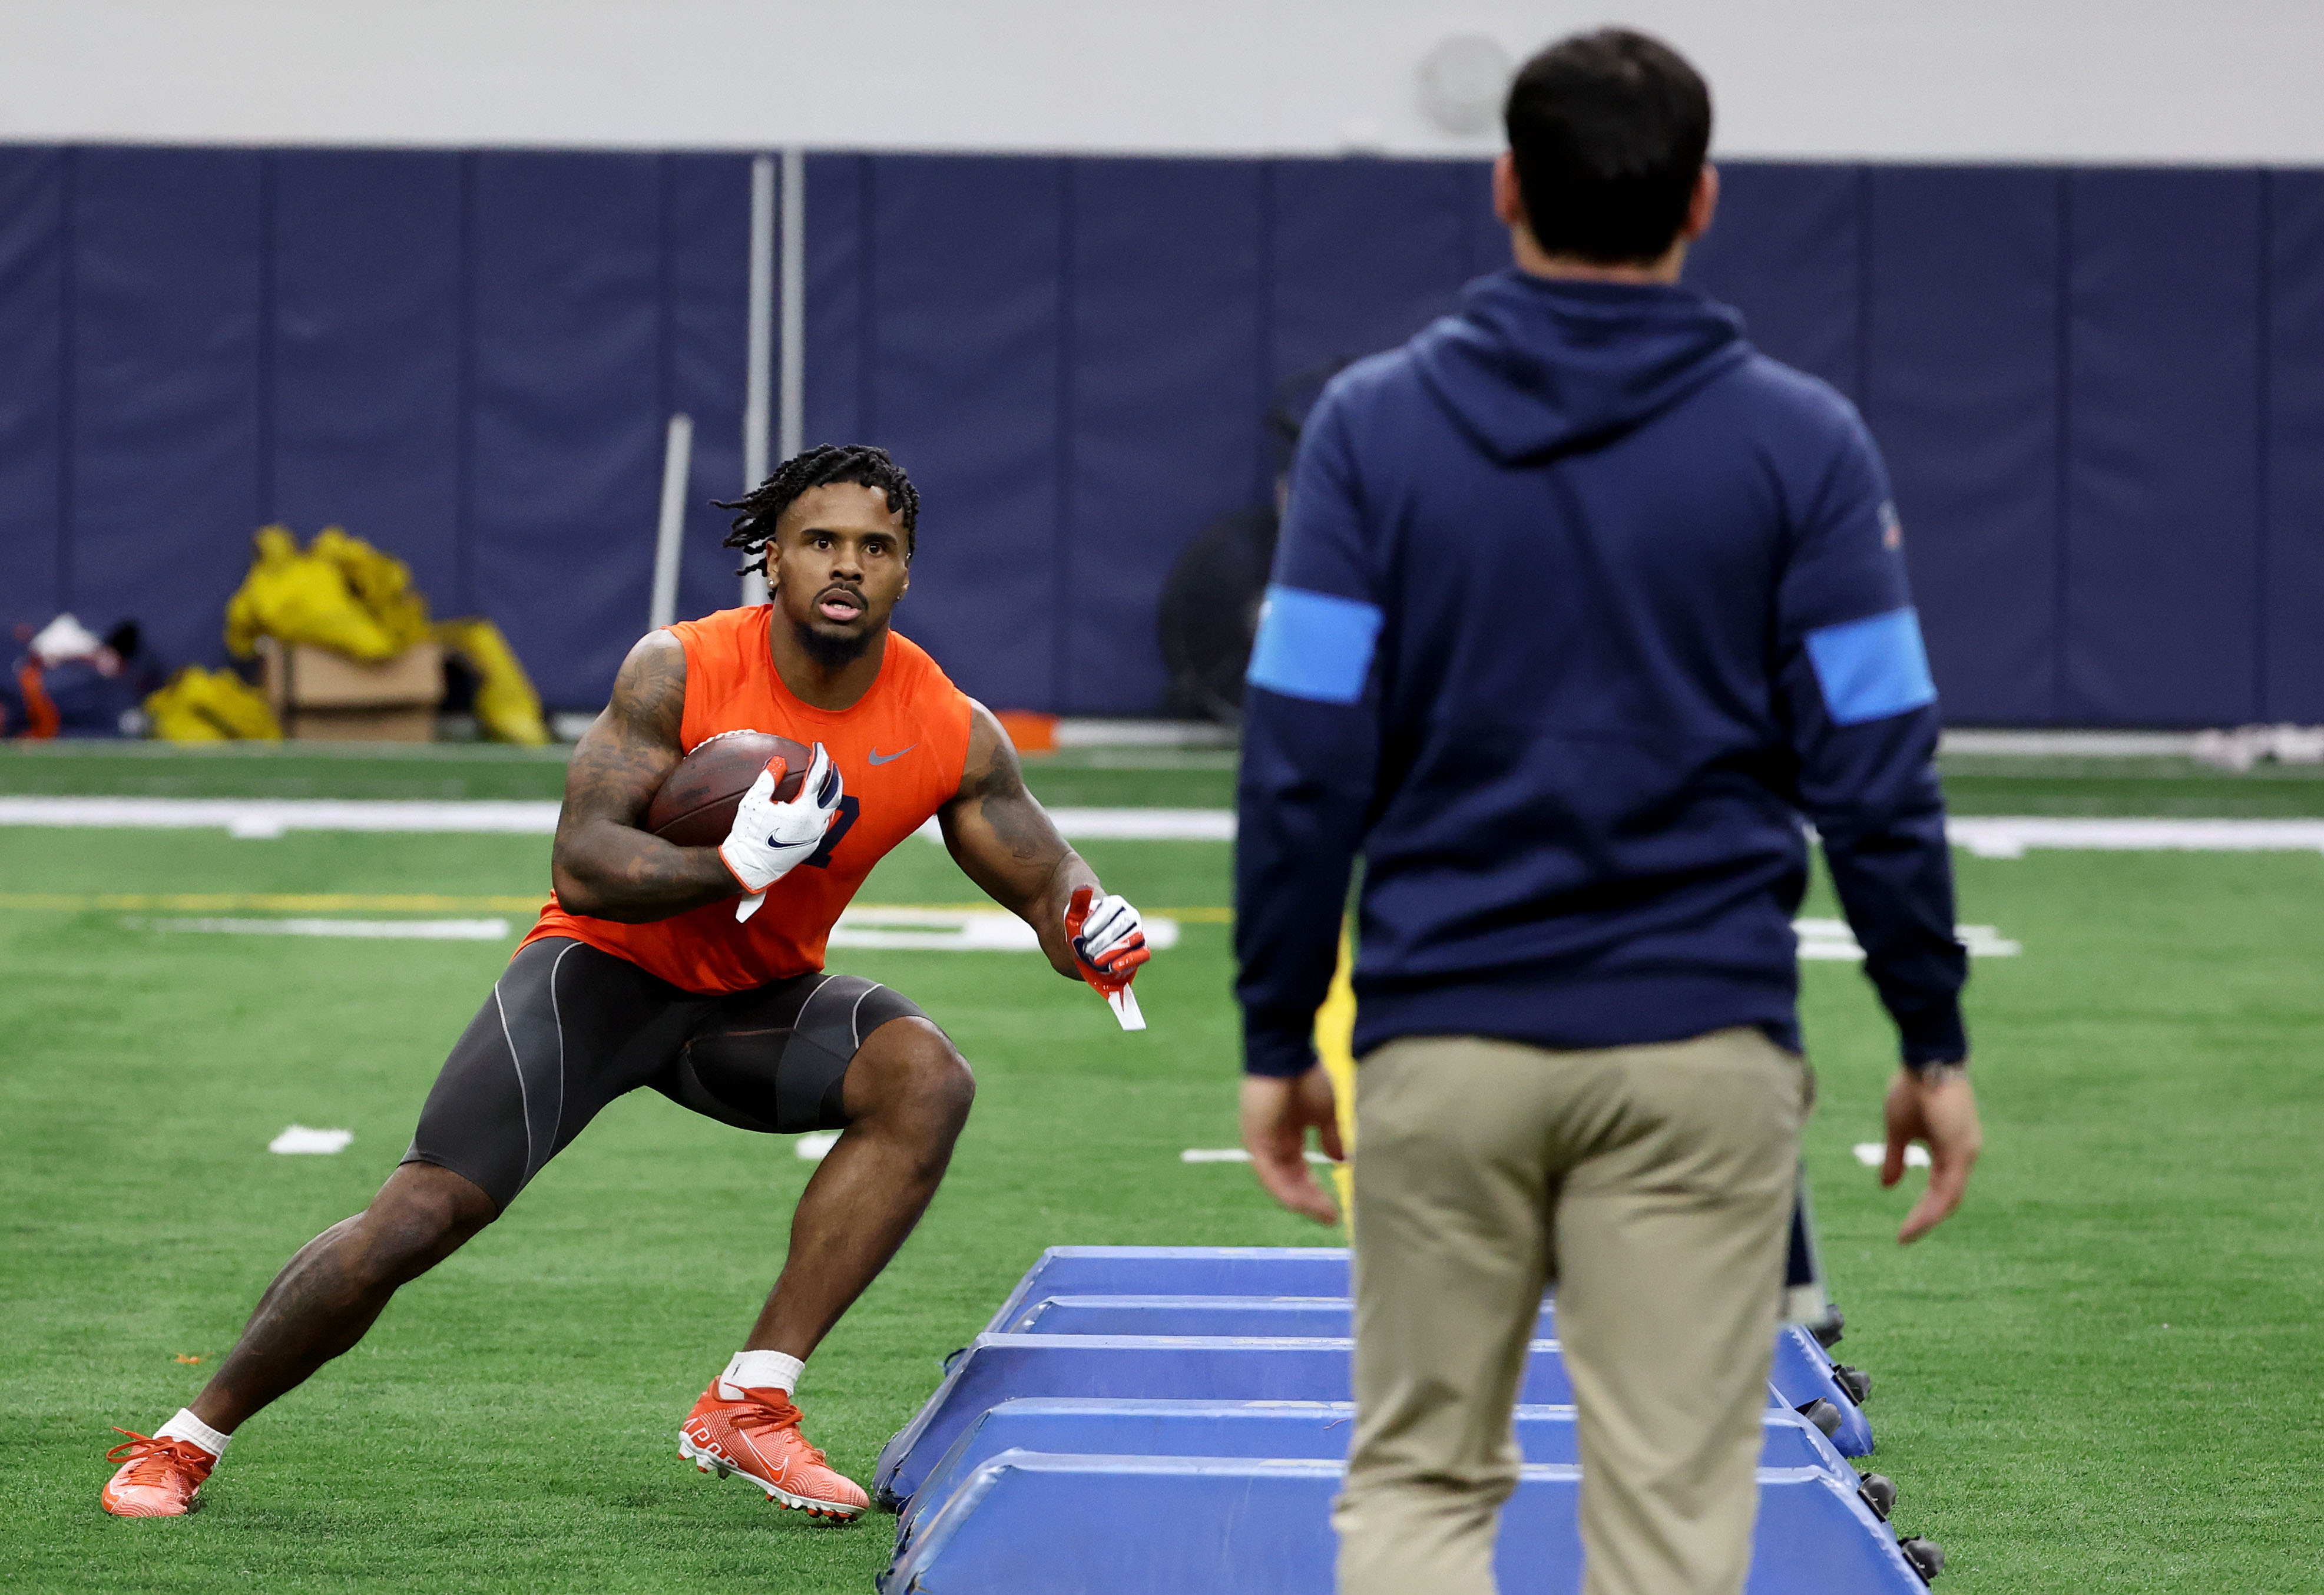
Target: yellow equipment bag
(381, 582)
(344, 595)
(303, 598)
(202, 706)
(507, 707)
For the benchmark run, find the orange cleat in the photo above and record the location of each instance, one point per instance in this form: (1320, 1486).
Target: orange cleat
(758, 1438)
(158, 1477)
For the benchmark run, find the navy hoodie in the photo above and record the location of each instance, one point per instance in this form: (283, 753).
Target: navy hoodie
(1581, 607)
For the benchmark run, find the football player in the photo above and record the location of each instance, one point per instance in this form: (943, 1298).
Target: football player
(699, 972)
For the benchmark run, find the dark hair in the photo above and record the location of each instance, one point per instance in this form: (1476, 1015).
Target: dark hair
(858, 462)
(1609, 130)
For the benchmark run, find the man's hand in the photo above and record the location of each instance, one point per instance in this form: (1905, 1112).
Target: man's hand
(1276, 1114)
(1108, 938)
(1108, 943)
(768, 839)
(1941, 1110)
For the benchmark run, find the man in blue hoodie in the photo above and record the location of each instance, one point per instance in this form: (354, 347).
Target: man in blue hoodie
(1582, 607)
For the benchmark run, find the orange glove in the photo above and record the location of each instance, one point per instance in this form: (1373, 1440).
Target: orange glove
(1109, 945)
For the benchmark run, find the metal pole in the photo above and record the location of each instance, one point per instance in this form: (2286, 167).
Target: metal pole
(677, 463)
(759, 370)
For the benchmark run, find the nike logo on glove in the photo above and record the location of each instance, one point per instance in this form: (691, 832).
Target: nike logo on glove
(877, 757)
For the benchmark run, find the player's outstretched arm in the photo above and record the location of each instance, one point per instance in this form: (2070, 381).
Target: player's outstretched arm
(1003, 840)
(605, 865)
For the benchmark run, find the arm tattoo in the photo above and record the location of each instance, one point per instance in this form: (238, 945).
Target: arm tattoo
(1004, 804)
(627, 755)
(605, 865)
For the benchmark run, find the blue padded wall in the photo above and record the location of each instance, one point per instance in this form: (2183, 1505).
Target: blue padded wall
(1787, 248)
(1961, 358)
(2162, 515)
(1364, 253)
(2101, 391)
(964, 309)
(467, 358)
(569, 392)
(367, 256)
(167, 464)
(32, 549)
(2292, 556)
(1166, 274)
(706, 225)
(838, 263)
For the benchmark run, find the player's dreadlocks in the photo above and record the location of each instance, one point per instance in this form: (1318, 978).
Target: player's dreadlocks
(820, 467)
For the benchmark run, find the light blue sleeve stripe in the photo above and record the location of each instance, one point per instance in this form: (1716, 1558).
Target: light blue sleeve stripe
(1314, 645)
(1873, 667)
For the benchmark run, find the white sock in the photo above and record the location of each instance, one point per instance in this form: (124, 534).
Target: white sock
(759, 1371)
(187, 1426)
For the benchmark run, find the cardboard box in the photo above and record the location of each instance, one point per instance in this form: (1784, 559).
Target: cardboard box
(320, 695)
(362, 726)
(300, 676)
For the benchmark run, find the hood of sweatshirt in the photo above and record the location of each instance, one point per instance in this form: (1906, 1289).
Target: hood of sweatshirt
(1530, 365)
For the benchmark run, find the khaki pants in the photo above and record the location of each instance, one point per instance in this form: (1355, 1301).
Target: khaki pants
(1654, 1185)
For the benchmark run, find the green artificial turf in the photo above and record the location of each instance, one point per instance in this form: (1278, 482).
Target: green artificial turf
(2148, 1067)
(2168, 789)
(1171, 778)
(1189, 778)
(436, 771)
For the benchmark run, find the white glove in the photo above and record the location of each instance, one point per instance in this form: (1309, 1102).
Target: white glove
(768, 839)
(1109, 945)
(1111, 927)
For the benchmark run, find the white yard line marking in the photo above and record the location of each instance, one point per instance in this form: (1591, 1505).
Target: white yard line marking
(320, 1142)
(260, 818)
(1146, 825)
(959, 930)
(1985, 835)
(815, 1146)
(1870, 1153)
(414, 930)
(1231, 1154)
(1832, 940)
(2006, 837)
(1128, 825)
(273, 816)
(2083, 744)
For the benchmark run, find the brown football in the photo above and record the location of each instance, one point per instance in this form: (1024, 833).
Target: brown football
(696, 805)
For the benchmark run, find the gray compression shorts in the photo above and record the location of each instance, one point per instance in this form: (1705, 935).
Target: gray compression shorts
(568, 1029)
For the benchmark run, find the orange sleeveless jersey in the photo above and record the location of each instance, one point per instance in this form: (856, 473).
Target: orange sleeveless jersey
(901, 752)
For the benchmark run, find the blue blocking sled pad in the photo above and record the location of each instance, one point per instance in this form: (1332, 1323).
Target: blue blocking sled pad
(1179, 1270)
(1030, 1523)
(1802, 1369)
(998, 1368)
(1311, 1429)
(1176, 1417)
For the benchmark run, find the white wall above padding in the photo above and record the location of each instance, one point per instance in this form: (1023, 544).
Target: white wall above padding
(2231, 80)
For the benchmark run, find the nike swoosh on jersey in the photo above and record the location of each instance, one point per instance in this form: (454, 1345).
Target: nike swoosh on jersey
(877, 757)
